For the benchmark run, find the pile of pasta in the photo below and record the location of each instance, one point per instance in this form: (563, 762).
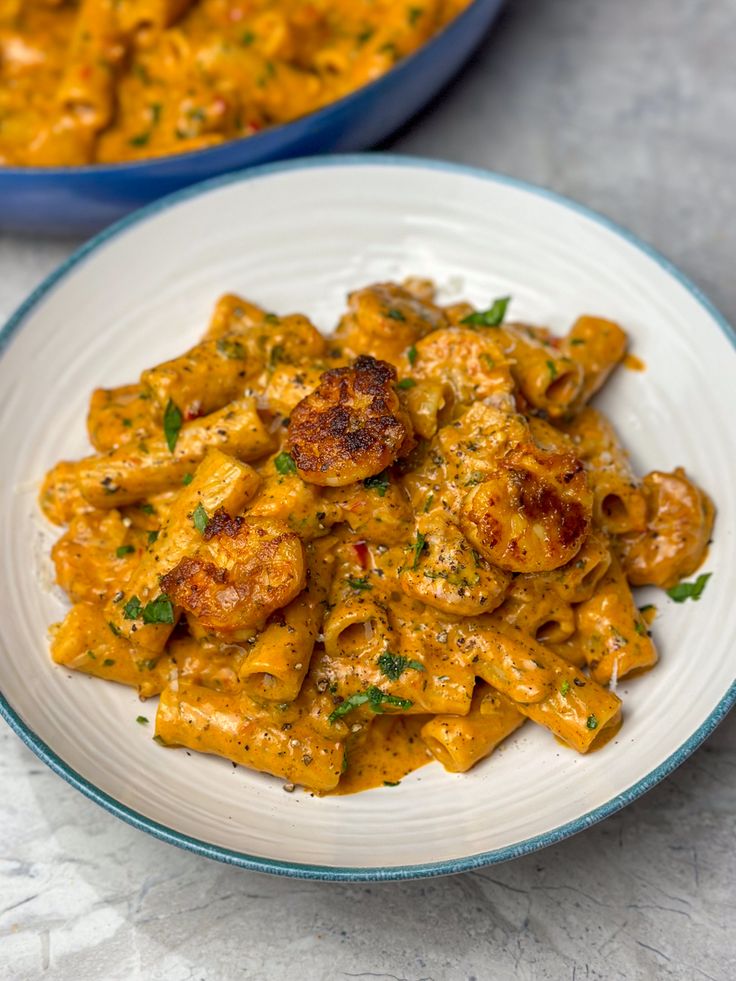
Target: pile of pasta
(336, 558)
(84, 81)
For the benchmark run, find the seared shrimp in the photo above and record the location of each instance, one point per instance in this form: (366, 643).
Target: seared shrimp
(244, 569)
(680, 521)
(532, 513)
(352, 427)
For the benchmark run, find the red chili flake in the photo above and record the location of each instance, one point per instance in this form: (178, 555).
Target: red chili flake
(361, 550)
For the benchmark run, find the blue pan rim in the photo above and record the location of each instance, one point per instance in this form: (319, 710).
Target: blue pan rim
(150, 165)
(326, 872)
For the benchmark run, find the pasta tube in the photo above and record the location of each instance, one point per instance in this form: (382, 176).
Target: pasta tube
(543, 686)
(119, 415)
(548, 379)
(127, 475)
(85, 641)
(458, 742)
(613, 633)
(216, 371)
(619, 504)
(597, 345)
(275, 740)
(219, 482)
(279, 659)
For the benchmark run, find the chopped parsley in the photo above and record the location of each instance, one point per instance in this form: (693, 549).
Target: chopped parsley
(115, 630)
(172, 424)
(689, 590)
(232, 350)
(108, 662)
(123, 550)
(413, 14)
(592, 722)
(406, 383)
(394, 665)
(647, 607)
(142, 720)
(493, 317)
(412, 354)
(640, 628)
(576, 341)
(552, 369)
(391, 783)
(565, 687)
(187, 479)
(152, 537)
(133, 609)
(379, 482)
(200, 518)
(140, 140)
(148, 508)
(160, 610)
(395, 314)
(284, 463)
(372, 696)
(247, 38)
(419, 545)
(359, 584)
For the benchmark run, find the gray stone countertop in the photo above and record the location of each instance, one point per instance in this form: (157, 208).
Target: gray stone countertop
(630, 107)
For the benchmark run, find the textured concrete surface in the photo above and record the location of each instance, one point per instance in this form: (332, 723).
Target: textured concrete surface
(631, 108)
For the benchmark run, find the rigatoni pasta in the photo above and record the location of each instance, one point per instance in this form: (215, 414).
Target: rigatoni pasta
(338, 559)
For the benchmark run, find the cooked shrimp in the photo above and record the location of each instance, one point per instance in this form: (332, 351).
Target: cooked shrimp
(352, 427)
(532, 513)
(471, 363)
(243, 570)
(680, 521)
(384, 320)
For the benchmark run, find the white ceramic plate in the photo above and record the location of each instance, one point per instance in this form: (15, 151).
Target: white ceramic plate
(298, 236)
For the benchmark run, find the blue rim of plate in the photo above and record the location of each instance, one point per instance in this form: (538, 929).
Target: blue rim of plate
(333, 873)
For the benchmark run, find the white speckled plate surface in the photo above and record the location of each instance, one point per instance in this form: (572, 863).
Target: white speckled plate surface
(298, 236)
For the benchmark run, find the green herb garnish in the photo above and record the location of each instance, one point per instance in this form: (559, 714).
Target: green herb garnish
(412, 354)
(374, 697)
(160, 610)
(395, 314)
(108, 662)
(152, 536)
(394, 665)
(142, 720)
(565, 687)
(284, 463)
(232, 350)
(493, 317)
(406, 383)
(358, 584)
(187, 479)
(200, 518)
(378, 482)
(123, 550)
(689, 590)
(133, 609)
(172, 425)
(592, 722)
(419, 545)
(552, 369)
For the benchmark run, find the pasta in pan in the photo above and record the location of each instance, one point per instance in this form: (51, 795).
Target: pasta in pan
(100, 81)
(336, 559)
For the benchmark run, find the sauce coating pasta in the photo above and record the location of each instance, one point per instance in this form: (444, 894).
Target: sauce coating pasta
(100, 81)
(337, 559)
